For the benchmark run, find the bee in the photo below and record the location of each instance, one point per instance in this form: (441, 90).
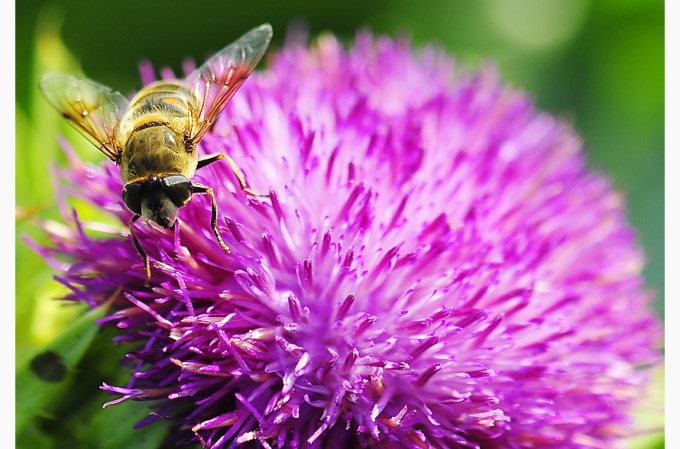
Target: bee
(153, 136)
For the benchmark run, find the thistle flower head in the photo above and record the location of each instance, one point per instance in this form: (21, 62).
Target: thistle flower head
(430, 264)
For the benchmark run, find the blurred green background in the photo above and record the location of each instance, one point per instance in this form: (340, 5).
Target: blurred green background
(598, 64)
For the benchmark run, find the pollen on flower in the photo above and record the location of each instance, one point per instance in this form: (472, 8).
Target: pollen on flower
(433, 266)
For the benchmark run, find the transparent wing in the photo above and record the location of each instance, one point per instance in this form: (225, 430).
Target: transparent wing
(216, 81)
(91, 108)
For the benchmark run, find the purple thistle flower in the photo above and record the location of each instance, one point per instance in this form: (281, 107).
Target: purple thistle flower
(434, 266)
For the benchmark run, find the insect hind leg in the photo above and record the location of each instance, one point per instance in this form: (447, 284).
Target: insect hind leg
(237, 171)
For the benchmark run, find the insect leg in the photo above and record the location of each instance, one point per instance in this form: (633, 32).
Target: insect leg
(234, 168)
(198, 188)
(140, 250)
(209, 160)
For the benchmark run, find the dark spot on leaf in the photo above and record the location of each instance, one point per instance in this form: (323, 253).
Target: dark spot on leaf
(49, 366)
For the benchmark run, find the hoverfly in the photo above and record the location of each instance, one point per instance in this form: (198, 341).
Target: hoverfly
(153, 136)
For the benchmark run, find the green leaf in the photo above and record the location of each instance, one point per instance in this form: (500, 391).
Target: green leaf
(33, 437)
(47, 373)
(113, 428)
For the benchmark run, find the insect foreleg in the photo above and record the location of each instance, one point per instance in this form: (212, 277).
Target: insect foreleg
(140, 250)
(198, 188)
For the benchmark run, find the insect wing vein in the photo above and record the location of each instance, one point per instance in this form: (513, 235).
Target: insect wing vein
(91, 108)
(216, 81)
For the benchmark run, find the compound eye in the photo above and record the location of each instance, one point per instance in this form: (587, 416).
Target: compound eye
(178, 189)
(132, 197)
